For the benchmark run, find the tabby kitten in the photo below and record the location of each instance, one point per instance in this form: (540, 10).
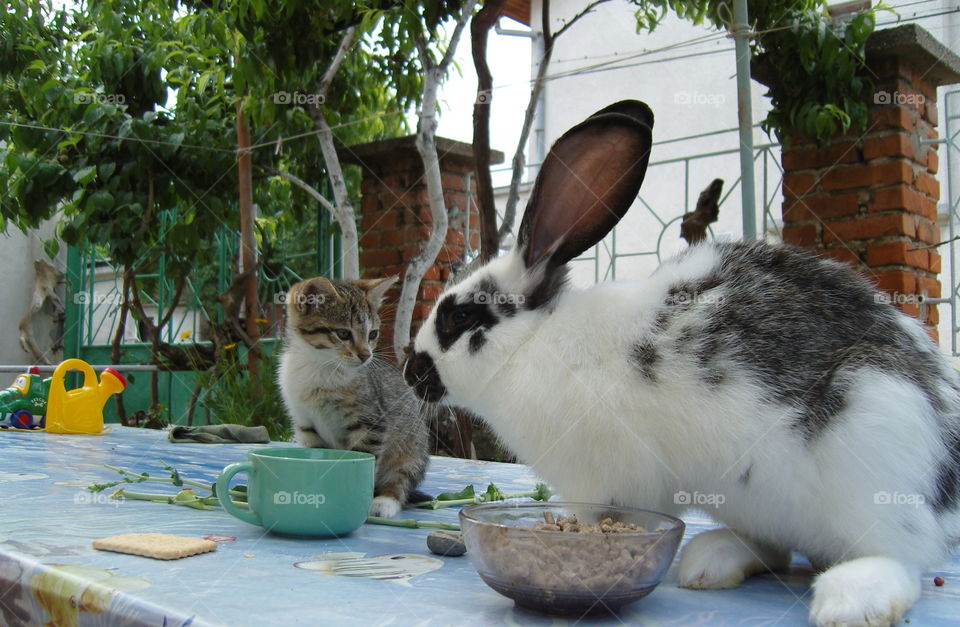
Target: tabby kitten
(340, 395)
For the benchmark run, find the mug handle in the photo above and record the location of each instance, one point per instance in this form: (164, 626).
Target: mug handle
(223, 492)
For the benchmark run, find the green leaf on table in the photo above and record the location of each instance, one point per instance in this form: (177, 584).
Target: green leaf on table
(543, 492)
(466, 493)
(188, 498)
(100, 487)
(174, 475)
(493, 493)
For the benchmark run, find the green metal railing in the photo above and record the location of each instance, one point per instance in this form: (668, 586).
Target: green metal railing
(94, 297)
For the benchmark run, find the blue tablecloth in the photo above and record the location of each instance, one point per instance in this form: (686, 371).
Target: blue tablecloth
(50, 574)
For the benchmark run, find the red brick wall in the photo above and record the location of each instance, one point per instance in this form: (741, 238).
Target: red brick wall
(871, 199)
(396, 223)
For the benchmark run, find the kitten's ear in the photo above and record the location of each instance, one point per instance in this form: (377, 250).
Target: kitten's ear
(376, 288)
(313, 293)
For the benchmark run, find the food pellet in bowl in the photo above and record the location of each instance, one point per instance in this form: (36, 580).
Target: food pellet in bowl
(570, 524)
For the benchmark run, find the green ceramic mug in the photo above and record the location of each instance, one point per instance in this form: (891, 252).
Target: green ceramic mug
(303, 491)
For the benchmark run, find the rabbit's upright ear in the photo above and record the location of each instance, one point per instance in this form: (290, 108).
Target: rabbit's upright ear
(586, 184)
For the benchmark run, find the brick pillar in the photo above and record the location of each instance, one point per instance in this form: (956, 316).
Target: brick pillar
(395, 220)
(871, 200)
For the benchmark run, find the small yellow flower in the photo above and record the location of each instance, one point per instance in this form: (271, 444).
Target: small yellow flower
(229, 346)
(186, 334)
(262, 320)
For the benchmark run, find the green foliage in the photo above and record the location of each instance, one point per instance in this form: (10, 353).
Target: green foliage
(146, 93)
(818, 84)
(118, 118)
(103, 75)
(231, 397)
(819, 89)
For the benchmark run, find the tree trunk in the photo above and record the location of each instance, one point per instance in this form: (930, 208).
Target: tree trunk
(248, 246)
(115, 355)
(480, 31)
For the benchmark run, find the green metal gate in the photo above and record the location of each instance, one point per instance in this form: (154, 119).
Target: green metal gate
(94, 293)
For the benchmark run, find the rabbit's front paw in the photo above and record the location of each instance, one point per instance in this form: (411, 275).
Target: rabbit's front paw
(385, 507)
(868, 591)
(722, 559)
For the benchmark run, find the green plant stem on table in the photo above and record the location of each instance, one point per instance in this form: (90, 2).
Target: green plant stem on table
(190, 497)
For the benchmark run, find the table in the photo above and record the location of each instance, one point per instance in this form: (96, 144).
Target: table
(49, 573)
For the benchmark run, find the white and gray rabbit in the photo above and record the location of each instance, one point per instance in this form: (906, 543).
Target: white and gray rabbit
(770, 386)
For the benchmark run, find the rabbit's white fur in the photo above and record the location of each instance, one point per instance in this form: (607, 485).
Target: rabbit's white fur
(621, 394)
(551, 396)
(656, 436)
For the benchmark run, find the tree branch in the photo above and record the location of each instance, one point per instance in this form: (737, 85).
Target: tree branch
(465, 14)
(232, 300)
(343, 210)
(177, 293)
(589, 9)
(312, 191)
(519, 156)
(427, 147)
(337, 61)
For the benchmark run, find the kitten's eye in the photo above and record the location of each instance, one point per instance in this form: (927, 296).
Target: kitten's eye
(374, 334)
(344, 334)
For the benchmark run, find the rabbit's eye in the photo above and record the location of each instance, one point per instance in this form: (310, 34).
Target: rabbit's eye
(458, 318)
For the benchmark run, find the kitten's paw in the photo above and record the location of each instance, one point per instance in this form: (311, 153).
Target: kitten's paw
(868, 591)
(721, 559)
(385, 507)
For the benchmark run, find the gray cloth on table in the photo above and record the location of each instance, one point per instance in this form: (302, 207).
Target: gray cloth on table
(219, 434)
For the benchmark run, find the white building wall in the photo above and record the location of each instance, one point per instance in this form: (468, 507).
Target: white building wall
(18, 251)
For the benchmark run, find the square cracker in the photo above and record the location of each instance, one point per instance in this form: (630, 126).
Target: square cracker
(161, 546)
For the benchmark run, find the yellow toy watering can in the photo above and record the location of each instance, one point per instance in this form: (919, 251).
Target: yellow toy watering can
(80, 410)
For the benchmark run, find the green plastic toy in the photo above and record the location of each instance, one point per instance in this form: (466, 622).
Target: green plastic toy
(23, 405)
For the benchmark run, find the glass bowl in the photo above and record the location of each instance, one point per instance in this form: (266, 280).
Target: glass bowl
(565, 572)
